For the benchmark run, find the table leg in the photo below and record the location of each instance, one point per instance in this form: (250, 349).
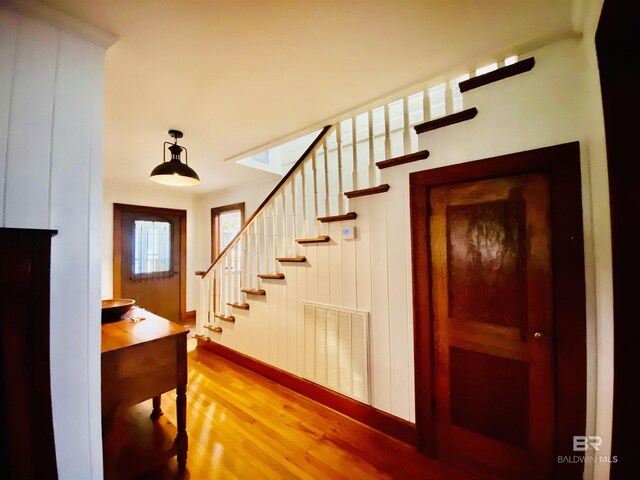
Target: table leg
(156, 413)
(182, 440)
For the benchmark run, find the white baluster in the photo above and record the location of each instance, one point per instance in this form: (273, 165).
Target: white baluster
(448, 99)
(341, 197)
(303, 194)
(282, 247)
(387, 133)
(372, 161)
(316, 181)
(275, 205)
(201, 312)
(426, 105)
(354, 155)
(263, 242)
(327, 203)
(406, 128)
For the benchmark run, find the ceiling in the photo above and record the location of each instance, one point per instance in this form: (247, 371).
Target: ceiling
(238, 74)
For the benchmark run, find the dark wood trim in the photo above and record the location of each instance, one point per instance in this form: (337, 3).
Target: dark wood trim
(271, 276)
(190, 316)
(619, 68)
(372, 417)
(225, 318)
(257, 291)
(561, 164)
(363, 192)
(273, 192)
(320, 239)
(500, 74)
(27, 431)
(118, 210)
(445, 121)
(292, 259)
(215, 211)
(338, 218)
(240, 306)
(408, 158)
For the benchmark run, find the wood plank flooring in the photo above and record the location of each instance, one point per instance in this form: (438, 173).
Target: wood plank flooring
(242, 426)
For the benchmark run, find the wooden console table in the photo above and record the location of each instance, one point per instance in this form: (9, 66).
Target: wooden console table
(142, 360)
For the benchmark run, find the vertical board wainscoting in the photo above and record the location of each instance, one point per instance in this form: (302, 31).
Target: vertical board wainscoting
(51, 111)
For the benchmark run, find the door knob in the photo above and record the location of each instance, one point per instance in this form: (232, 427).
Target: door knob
(539, 335)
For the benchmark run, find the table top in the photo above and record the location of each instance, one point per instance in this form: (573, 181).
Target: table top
(125, 333)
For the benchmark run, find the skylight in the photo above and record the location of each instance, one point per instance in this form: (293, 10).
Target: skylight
(280, 159)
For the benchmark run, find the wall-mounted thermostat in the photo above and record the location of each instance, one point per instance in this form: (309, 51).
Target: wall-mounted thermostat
(349, 233)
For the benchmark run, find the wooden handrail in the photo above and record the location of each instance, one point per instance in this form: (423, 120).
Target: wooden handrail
(306, 153)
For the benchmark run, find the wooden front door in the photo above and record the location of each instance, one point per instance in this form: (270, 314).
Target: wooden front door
(499, 313)
(149, 258)
(493, 313)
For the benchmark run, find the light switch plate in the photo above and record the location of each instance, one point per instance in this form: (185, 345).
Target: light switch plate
(349, 233)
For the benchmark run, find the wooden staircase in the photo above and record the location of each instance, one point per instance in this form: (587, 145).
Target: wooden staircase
(346, 162)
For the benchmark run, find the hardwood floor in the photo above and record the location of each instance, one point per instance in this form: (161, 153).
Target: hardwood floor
(242, 426)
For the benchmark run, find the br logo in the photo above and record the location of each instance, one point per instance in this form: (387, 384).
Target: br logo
(582, 443)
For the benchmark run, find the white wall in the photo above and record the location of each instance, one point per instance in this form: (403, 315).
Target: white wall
(149, 196)
(557, 102)
(51, 108)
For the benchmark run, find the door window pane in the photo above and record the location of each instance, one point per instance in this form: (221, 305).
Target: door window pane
(152, 247)
(230, 223)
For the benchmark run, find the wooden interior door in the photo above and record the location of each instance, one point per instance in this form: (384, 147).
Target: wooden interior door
(149, 258)
(490, 245)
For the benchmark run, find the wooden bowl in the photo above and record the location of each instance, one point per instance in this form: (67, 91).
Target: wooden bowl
(114, 308)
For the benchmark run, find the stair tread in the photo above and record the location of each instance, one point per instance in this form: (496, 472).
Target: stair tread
(500, 74)
(257, 291)
(226, 318)
(368, 191)
(338, 218)
(241, 306)
(320, 239)
(271, 276)
(408, 158)
(447, 120)
(292, 259)
(214, 329)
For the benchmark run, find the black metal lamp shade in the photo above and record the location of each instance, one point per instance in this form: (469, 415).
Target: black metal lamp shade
(174, 172)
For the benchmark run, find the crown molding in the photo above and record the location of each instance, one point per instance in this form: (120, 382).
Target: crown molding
(44, 13)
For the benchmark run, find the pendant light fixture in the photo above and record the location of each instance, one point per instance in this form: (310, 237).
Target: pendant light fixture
(174, 172)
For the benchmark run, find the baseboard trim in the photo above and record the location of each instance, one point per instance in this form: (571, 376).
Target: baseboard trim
(372, 417)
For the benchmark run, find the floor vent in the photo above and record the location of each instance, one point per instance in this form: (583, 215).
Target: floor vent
(336, 349)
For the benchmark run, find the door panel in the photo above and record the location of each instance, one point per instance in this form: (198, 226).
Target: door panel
(150, 259)
(492, 291)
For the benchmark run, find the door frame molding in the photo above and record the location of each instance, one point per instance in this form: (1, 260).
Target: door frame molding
(118, 210)
(215, 211)
(561, 164)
